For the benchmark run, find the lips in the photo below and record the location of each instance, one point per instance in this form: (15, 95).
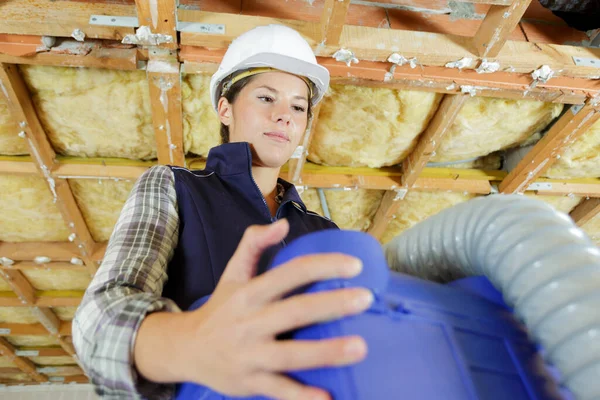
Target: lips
(278, 136)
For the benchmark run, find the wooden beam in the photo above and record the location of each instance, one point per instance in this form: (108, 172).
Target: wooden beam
(164, 81)
(45, 159)
(430, 139)
(333, 20)
(585, 211)
(20, 45)
(25, 365)
(160, 16)
(385, 213)
(52, 380)
(39, 18)
(296, 163)
(564, 132)
(98, 57)
(430, 78)
(498, 24)
(9, 329)
(20, 285)
(41, 352)
(367, 43)
(28, 251)
(62, 298)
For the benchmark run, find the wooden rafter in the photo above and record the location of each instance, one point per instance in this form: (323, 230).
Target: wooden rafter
(8, 329)
(25, 365)
(51, 380)
(164, 81)
(28, 251)
(45, 159)
(498, 24)
(585, 211)
(332, 20)
(385, 213)
(161, 17)
(430, 49)
(431, 138)
(438, 79)
(296, 163)
(564, 132)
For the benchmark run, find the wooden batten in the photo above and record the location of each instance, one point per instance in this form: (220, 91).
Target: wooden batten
(164, 81)
(499, 22)
(296, 163)
(25, 365)
(585, 211)
(45, 160)
(332, 20)
(564, 132)
(161, 17)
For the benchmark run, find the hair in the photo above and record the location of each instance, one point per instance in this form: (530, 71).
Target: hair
(232, 94)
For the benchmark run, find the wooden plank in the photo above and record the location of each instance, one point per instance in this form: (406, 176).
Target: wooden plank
(160, 16)
(499, 23)
(564, 132)
(39, 18)
(28, 251)
(431, 138)
(98, 57)
(432, 78)
(25, 365)
(20, 285)
(39, 146)
(332, 20)
(53, 381)
(389, 205)
(20, 45)
(296, 164)
(585, 211)
(374, 44)
(164, 81)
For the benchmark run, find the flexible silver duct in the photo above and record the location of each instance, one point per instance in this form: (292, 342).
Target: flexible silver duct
(547, 269)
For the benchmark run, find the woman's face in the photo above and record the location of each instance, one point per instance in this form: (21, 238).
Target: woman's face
(270, 113)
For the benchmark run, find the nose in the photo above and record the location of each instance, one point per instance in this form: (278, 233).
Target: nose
(281, 113)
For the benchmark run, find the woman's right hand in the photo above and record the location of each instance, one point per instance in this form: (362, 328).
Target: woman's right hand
(230, 341)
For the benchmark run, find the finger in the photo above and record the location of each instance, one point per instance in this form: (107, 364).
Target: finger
(301, 271)
(296, 355)
(281, 387)
(307, 309)
(242, 265)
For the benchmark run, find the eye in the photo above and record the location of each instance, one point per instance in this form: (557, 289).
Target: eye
(266, 99)
(299, 109)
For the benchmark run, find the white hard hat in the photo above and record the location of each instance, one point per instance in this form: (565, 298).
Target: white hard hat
(271, 46)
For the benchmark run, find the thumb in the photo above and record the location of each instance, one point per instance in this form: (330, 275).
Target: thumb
(256, 239)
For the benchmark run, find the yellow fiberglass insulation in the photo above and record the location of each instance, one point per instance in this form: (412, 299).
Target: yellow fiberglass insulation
(100, 202)
(28, 211)
(418, 206)
(17, 315)
(580, 159)
(373, 127)
(91, 112)
(349, 209)
(485, 125)
(58, 279)
(65, 313)
(10, 143)
(561, 203)
(31, 340)
(200, 122)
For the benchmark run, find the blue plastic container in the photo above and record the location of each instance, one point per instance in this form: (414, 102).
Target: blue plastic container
(426, 340)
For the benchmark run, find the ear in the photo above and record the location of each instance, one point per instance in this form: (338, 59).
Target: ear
(225, 111)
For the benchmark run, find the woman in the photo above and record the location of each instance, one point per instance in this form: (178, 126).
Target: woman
(184, 234)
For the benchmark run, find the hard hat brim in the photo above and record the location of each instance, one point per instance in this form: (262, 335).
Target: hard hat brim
(317, 74)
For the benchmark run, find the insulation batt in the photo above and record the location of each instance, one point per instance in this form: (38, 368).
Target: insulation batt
(27, 198)
(100, 202)
(349, 209)
(31, 340)
(361, 126)
(89, 112)
(580, 159)
(58, 279)
(10, 143)
(486, 125)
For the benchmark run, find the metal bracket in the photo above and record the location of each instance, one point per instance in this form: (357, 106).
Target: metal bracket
(400, 193)
(27, 353)
(47, 370)
(4, 331)
(576, 108)
(541, 186)
(586, 62)
(114, 20)
(213, 29)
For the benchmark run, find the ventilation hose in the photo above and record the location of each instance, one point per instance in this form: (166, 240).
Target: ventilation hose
(547, 269)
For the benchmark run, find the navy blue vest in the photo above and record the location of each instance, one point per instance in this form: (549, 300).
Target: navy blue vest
(216, 205)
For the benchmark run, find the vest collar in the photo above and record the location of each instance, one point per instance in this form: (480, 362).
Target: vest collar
(236, 158)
